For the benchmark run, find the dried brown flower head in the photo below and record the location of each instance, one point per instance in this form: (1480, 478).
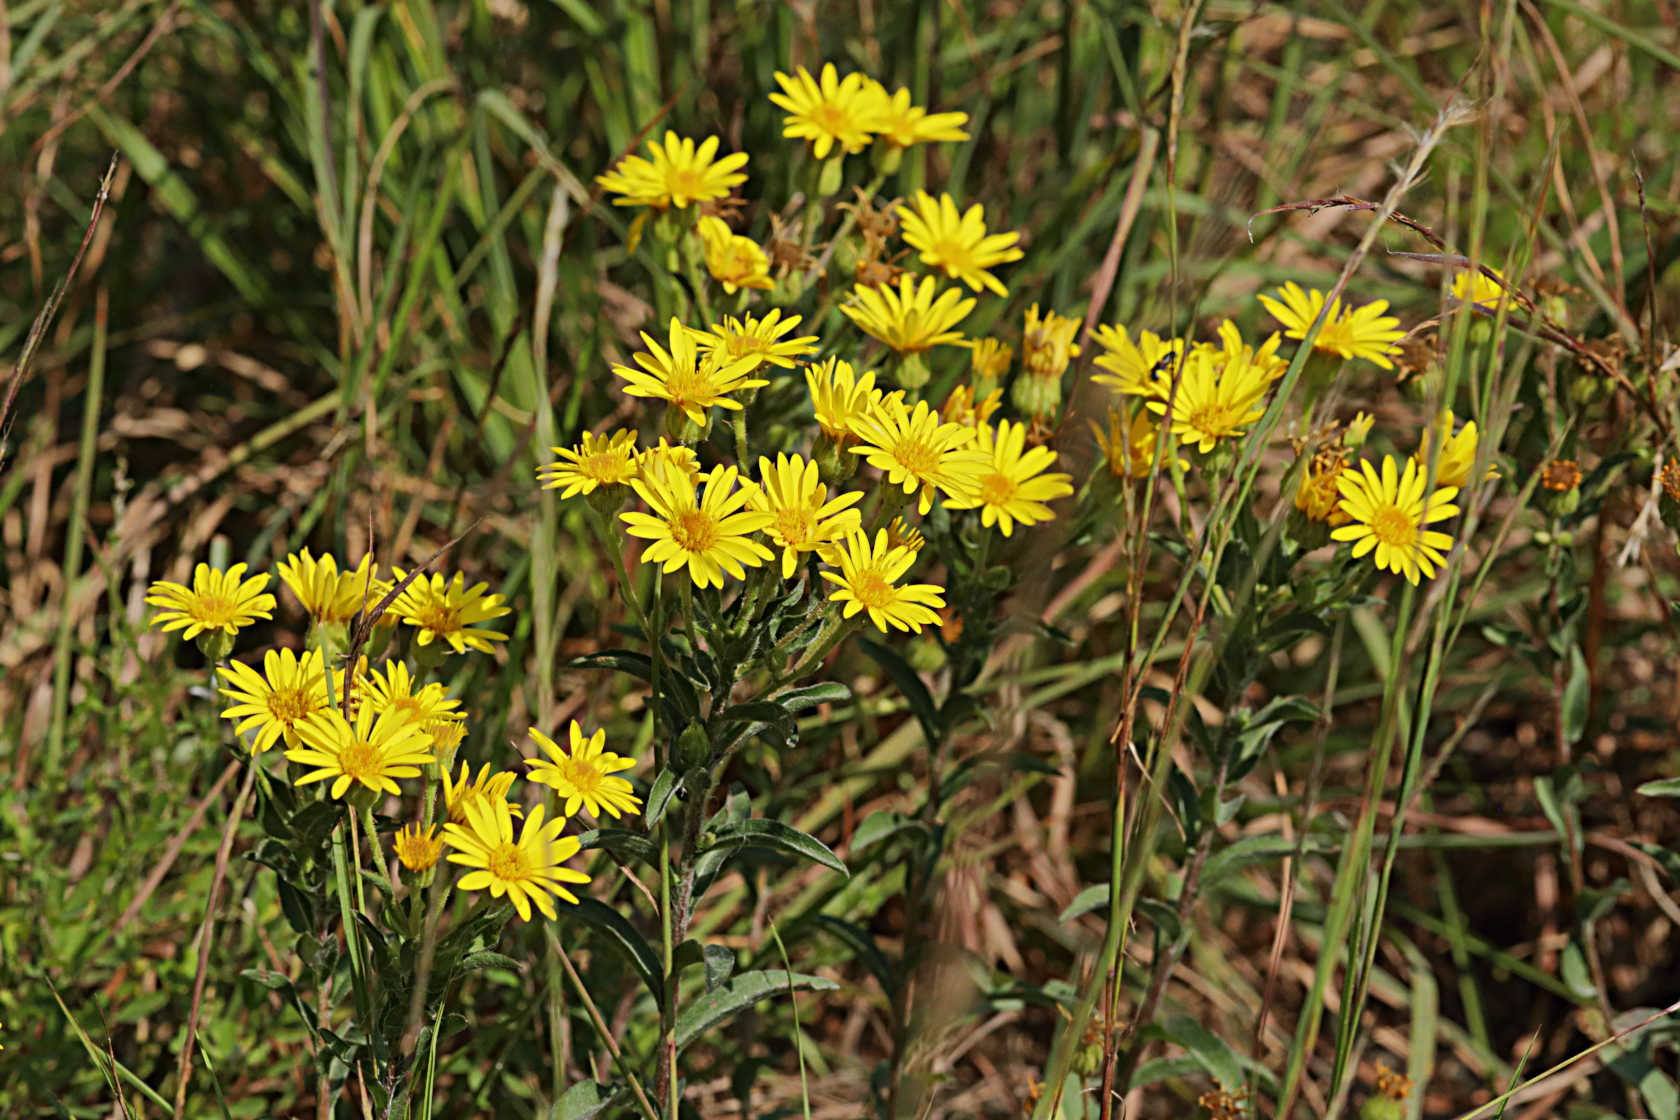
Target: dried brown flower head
(1561, 475)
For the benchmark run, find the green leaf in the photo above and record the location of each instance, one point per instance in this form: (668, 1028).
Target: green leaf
(1085, 901)
(1206, 1048)
(759, 833)
(1662, 787)
(659, 797)
(761, 716)
(740, 992)
(472, 962)
(879, 825)
(1250, 851)
(862, 944)
(803, 699)
(720, 962)
(632, 944)
(621, 842)
(582, 1101)
(909, 682)
(674, 688)
(1575, 695)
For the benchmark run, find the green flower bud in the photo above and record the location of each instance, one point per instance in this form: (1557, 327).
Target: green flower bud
(913, 372)
(832, 169)
(926, 655)
(694, 747)
(431, 655)
(1037, 397)
(835, 464)
(215, 645)
(1308, 532)
(886, 157)
(1382, 1108)
(1088, 1060)
(362, 797)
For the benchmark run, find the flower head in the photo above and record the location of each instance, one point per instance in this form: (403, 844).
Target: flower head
(902, 124)
(683, 378)
(1128, 445)
(842, 400)
(957, 243)
(1233, 351)
(667, 456)
(833, 112)
(988, 361)
(762, 340)
(710, 534)
(1013, 485)
(677, 175)
(1047, 344)
(1389, 513)
(392, 689)
(1319, 497)
(1457, 454)
(417, 850)
(584, 775)
(526, 869)
(1141, 369)
(917, 451)
(448, 611)
(597, 461)
(328, 594)
(734, 261)
(1561, 475)
(1359, 332)
(1471, 285)
(289, 690)
(461, 792)
(966, 407)
(868, 581)
(216, 601)
(910, 319)
(373, 752)
(805, 518)
(1213, 401)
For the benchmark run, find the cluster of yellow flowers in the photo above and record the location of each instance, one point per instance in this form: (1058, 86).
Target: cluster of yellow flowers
(365, 732)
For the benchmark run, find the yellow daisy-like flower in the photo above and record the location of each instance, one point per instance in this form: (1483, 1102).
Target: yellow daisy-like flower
(326, 593)
(1213, 402)
(917, 451)
(584, 776)
(1358, 332)
(1047, 344)
(843, 401)
(734, 261)
(902, 124)
(1013, 486)
(988, 360)
(1141, 369)
(761, 340)
(1457, 455)
(1128, 446)
(911, 319)
(1473, 286)
(836, 111)
(289, 690)
(216, 601)
(962, 407)
(681, 377)
(677, 175)
(372, 752)
(902, 534)
(393, 689)
(466, 790)
(1319, 497)
(867, 581)
(804, 519)
(1232, 350)
(526, 869)
(446, 738)
(448, 611)
(667, 456)
(417, 850)
(957, 243)
(708, 534)
(597, 461)
(1389, 513)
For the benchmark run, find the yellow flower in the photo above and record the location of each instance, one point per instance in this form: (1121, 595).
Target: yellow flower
(1360, 332)
(467, 790)
(1473, 286)
(804, 518)
(1232, 350)
(1142, 369)
(1013, 486)
(835, 111)
(289, 690)
(902, 534)
(911, 319)
(961, 407)
(1318, 496)
(217, 601)
(527, 870)
(681, 377)
(761, 340)
(1128, 446)
(913, 449)
(1458, 452)
(988, 360)
(417, 850)
(448, 611)
(666, 456)
(1047, 344)
(734, 261)
(867, 582)
(597, 461)
(709, 534)
(393, 689)
(1212, 403)
(374, 751)
(1388, 513)
(958, 244)
(326, 593)
(677, 175)
(584, 775)
(842, 400)
(1358, 429)
(902, 124)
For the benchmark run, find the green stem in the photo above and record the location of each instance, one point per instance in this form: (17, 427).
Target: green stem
(668, 1040)
(346, 917)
